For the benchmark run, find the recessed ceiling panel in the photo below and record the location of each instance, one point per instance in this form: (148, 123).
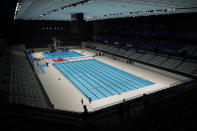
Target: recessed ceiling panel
(99, 9)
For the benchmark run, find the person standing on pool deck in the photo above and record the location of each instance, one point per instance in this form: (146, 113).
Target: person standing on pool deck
(82, 101)
(85, 115)
(90, 100)
(47, 64)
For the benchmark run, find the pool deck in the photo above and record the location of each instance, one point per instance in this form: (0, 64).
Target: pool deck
(64, 96)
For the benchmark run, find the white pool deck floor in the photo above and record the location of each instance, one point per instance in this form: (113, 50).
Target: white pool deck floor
(64, 96)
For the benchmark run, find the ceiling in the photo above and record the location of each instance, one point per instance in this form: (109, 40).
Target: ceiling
(61, 10)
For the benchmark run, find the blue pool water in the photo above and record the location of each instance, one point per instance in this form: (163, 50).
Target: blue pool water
(66, 54)
(97, 80)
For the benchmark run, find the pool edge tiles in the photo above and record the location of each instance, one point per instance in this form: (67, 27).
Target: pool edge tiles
(65, 54)
(98, 80)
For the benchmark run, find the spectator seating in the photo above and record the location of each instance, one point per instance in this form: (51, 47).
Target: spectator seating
(195, 53)
(129, 53)
(187, 67)
(195, 72)
(19, 80)
(147, 57)
(136, 55)
(189, 48)
(120, 52)
(172, 63)
(147, 44)
(157, 60)
(173, 46)
(112, 49)
(4, 73)
(24, 88)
